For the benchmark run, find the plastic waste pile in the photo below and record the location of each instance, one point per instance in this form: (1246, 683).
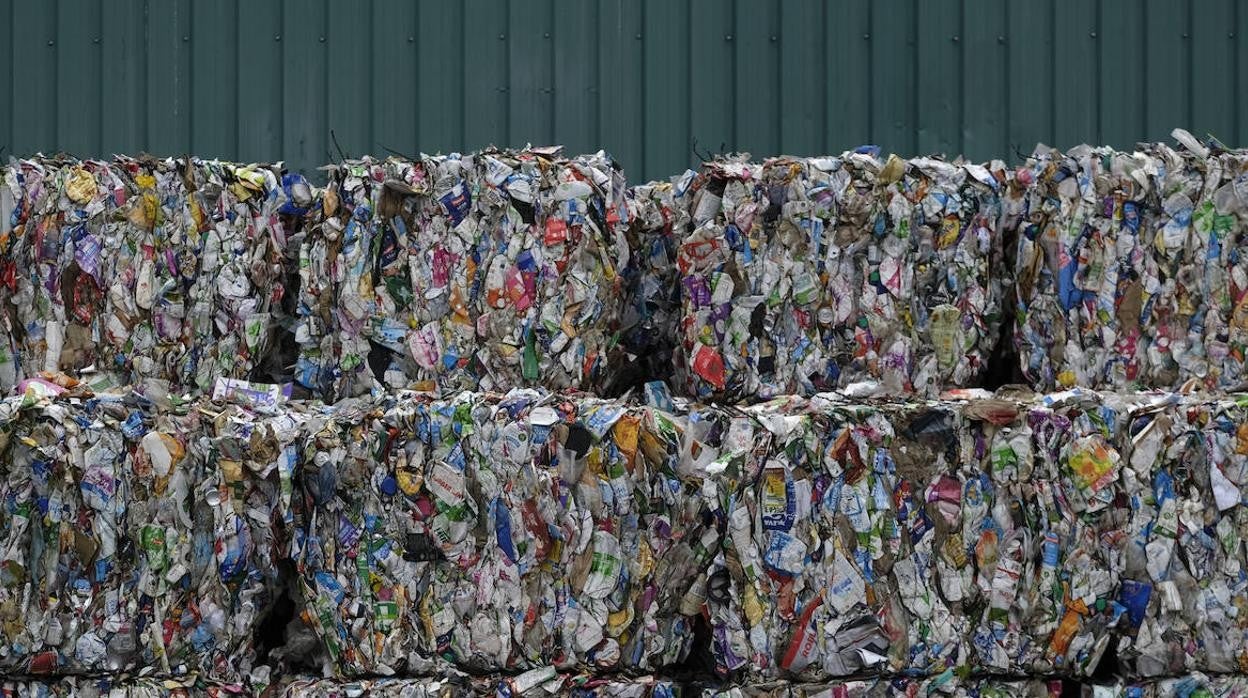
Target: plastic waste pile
(163, 274)
(1131, 272)
(134, 538)
(265, 437)
(810, 274)
(484, 271)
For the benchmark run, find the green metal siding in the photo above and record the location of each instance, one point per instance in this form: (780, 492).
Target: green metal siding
(652, 81)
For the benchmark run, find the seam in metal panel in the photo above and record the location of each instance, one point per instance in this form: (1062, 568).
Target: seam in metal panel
(773, 26)
(414, 48)
(551, 102)
(871, 131)
(960, 136)
(1005, 80)
(645, 36)
(1096, 51)
(1191, 69)
(56, 67)
(1235, 76)
(595, 95)
(732, 60)
(507, 72)
(281, 80)
(912, 43)
(823, 84)
(190, 70)
(689, 78)
(1052, 137)
(98, 40)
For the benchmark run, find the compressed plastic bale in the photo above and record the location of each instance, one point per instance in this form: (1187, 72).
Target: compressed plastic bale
(1185, 684)
(115, 687)
(485, 271)
(945, 685)
(505, 533)
(1182, 580)
(536, 683)
(814, 544)
(927, 537)
(1130, 272)
(165, 274)
(809, 274)
(659, 221)
(132, 543)
(1040, 531)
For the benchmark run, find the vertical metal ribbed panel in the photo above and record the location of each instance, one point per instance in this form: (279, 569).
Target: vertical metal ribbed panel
(655, 82)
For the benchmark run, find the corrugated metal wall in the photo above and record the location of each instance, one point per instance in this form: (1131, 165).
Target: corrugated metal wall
(645, 79)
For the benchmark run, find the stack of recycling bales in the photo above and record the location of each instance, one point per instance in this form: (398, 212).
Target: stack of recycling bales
(832, 504)
(491, 270)
(165, 274)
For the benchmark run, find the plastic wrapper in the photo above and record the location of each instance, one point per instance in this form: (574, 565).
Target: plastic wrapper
(462, 272)
(161, 274)
(133, 538)
(809, 274)
(1130, 268)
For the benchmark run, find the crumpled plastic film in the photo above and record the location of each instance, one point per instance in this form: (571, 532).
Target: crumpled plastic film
(133, 538)
(1130, 269)
(163, 274)
(809, 274)
(508, 533)
(485, 271)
